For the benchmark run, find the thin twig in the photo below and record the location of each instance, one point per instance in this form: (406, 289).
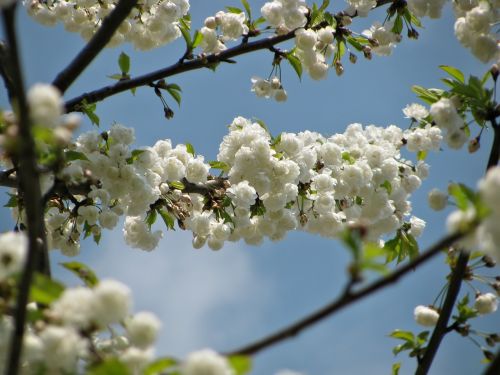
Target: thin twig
(346, 298)
(29, 186)
(109, 25)
(182, 66)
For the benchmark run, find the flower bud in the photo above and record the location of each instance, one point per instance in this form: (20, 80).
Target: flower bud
(474, 145)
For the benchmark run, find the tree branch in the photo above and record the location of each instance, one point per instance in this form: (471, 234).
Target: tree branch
(29, 186)
(109, 25)
(347, 298)
(494, 367)
(4, 69)
(457, 276)
(182, 67)
(444, 315)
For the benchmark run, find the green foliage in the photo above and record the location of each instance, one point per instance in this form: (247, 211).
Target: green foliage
(240, 364)
(395, 368)
(219, 165)
(167, 219)
(160, 365)
(89, 111)
(190, 149)
(400, 247)
(294, 62)
(415, 344)
(13, 200)
(348, 157)
(71, 155)
(124, 63)
(134, 156)
(45, 290)
(465, 198)
(465, 312)
(110, 366)
(151, 217)
(176, 185)
(83, 272)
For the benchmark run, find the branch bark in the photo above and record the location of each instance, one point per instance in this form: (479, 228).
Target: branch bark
(457, 276)
(29, 186)
(182, 67)
(346, 299)
(109, 25)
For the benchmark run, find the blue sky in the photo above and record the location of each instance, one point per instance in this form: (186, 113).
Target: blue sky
(225, 299)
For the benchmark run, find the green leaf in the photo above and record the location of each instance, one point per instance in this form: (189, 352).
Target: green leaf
(415, 20)
(71, 155)
(134, 156)
(395, 368)
(124, 63)
(89, 110)
(151, 218)
(235, 10)
(177, 185)
(454, 72)
(421, 155)
(348, 158)
(324, 5)
(402, 335)
(44, 290)
(247, 8)
(111, 366)
(427, 95)
(83, 272)
(159, 365)
(219, 165)
(387, 186)
(167, 219)
(116, 76)
(295, 63)
(397, 28)
(190, 148)
(13, 200)
(198, 37)
(240, 364)
(184, 28)
(175, 94)
(461, 194)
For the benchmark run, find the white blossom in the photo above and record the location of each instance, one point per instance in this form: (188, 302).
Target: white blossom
(426, 316)
(206, 362)
(13, 249)
(486, 303)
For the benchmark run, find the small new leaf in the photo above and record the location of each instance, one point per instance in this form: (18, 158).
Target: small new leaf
(124, 63)
(151, 218)
(167, 219)
(240, 364)
(247, 8)
(134, 156)
(454, 72)
(295, 63)
(45, 290)
(83, 272)
(177, 185)
(190, 149)
(71, 155)
(159, 366)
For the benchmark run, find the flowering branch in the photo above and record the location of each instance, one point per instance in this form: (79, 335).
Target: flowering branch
(110, 24)
(348, 297)
(4, 72)
(29, 185)
(457, 276)
(183, 66)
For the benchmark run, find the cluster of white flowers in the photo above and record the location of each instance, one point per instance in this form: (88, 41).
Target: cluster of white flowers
(13, 248)
(430, 8)
(426, 316)
(445, 116)
(360, 7)
(473, 27)
(437, 199)
(265, 88)
(285, 15)
(231, 26)
(73, 330)
(385, 39)
(321, 185)
(313, 48)
(149, 25)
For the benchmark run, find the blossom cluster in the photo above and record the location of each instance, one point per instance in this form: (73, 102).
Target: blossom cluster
(475, 19)
(445, 115)
(149, 25)
(272, 185)
(265, 88)
(230, 25)
(285, 15)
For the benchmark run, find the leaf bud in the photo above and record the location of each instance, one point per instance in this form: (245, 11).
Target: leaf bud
(474, 145)
(488, 261)
(413, 34)
(339, 69)
(494, 71)
(353, 58)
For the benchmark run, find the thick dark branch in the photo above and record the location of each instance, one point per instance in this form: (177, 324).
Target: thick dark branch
(109, 25)
(494, 367)
(182, 67)
(444, 315)
(4, 69)
(457, 276)
(344, 300)
(29, 186)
